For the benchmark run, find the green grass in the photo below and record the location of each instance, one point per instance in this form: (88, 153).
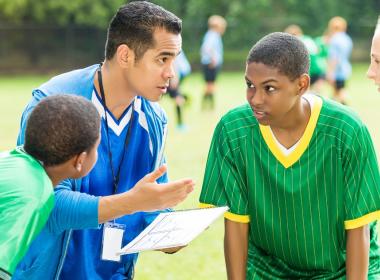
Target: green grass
(186, 155)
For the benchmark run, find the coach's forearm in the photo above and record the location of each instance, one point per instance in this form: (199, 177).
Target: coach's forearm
(114, 206)
(236, 249)
(357, 253)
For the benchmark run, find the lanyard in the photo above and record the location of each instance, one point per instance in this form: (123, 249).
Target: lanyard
(115, 176)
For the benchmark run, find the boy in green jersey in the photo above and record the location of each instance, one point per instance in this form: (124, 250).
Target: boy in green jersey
(299, 174)
(61, 141)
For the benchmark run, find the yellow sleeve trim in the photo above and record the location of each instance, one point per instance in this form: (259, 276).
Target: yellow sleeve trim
(205, 205)
(228, 215)
(237, 218)
(364, 220)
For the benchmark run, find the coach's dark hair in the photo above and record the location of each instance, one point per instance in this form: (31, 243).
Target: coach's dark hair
(134, 25)
(60, 127)
(282, 51)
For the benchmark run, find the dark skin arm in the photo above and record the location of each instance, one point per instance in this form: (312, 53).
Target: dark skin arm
(357, 253)
(236, 249)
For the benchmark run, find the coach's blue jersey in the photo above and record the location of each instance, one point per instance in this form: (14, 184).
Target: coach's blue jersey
(84, 254)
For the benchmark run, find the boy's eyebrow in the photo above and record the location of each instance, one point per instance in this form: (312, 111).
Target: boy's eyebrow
(269, 80)
(265, 82)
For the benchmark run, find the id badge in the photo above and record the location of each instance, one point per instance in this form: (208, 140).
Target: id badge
(112, 241)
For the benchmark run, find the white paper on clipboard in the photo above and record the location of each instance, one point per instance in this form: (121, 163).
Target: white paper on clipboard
(173, 229)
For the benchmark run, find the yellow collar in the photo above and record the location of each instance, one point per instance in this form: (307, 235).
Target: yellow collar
(294, 156)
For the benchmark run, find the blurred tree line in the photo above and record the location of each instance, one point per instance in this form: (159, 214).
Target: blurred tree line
(74, 31)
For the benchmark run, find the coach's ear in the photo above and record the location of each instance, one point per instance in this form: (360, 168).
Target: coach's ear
(125, 56)
(303, 83)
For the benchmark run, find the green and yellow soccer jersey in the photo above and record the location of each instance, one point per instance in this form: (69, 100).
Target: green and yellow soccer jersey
(298, 205)
(26, 200)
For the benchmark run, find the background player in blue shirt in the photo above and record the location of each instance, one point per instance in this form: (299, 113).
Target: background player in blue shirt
(212, 56)
(339, 66)
(142, 42)
(182, 69)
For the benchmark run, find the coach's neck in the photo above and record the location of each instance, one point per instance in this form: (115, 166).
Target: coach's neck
(118, 93)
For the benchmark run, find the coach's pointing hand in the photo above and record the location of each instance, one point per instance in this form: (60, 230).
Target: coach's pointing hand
(150, 196)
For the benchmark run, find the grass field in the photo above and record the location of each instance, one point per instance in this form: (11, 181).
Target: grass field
(186, 155)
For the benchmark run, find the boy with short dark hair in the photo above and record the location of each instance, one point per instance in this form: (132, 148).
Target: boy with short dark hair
(61, 141)
(299, 174)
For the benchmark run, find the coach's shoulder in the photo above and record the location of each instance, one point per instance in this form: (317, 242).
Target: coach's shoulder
(152, 110)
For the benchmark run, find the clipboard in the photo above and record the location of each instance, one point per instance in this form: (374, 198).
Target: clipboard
(173, 229)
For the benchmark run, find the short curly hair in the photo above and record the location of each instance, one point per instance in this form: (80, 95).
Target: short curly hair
(282, 51)
(60, 127)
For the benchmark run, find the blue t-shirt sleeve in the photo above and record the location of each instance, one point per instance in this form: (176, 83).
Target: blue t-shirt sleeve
(73, 210)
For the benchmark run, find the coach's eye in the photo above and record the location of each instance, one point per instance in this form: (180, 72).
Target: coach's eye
(162, 60)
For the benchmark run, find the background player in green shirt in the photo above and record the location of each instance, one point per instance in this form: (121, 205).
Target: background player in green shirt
(61, 141)
(299, 174)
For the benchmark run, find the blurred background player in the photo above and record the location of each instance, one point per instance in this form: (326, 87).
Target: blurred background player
(339, 67)
(212, 56)
(320, 62)
(182, 68)
(316, 68)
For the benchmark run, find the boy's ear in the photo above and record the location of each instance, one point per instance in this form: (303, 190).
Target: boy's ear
(79, 160)
(124, 55)
(303, 83)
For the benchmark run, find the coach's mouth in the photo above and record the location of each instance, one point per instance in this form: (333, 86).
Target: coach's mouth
(163, 89)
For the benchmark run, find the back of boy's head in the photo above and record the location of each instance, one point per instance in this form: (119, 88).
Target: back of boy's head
(134, 25)
(60, 127)
(282, 51)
